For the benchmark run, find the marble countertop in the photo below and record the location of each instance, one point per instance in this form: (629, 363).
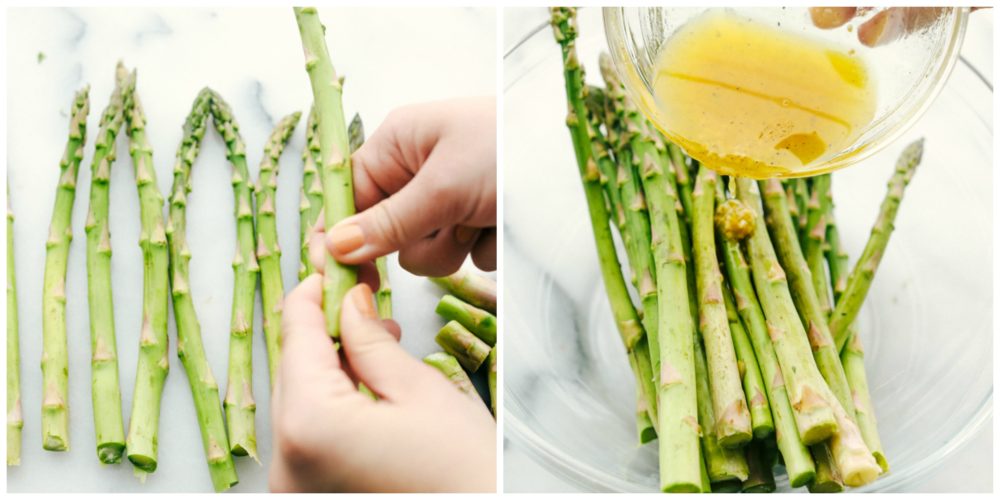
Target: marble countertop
(253, 57)
(969, 469)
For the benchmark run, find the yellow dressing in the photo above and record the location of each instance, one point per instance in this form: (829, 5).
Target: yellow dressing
(746, 98)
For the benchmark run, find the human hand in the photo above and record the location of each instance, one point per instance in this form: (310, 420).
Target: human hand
(425, 185)
(885, 26)
(421, 435)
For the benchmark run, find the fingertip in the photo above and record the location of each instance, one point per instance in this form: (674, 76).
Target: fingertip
(831, 17)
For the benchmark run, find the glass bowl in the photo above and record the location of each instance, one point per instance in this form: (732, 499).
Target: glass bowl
(569, 395)
(907, 73)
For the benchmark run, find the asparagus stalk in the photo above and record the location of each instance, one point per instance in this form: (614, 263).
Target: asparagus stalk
(852, 356)
(55, 359)
(812, 247)
(268, 252)
(479, 322)
(812, 398)
(813, 238)
(684, 182)
(813, 415)
(760, 478)
(190, 350)
(679, 467)
(721, 464)
(151, 372)
(456, 340)
(15, 420)
(450, 368)
(801, 186)
(491, 380)
(801, 285)
(338, 189)
(312, 194)
(628, 200)
(798, 462)
(753, 382)
(239, 403)
(105, 388)
(729, 402)
(827, 478)
(477, 290)
(383, 296)
(861, 276)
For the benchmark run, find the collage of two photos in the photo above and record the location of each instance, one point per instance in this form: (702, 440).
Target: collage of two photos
(496, 249)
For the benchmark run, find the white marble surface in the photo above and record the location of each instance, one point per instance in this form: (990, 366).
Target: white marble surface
(253, 57)
(969, 469)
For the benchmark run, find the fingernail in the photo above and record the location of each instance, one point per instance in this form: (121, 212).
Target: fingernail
(362, 297)
(464, 234)
(345, 238)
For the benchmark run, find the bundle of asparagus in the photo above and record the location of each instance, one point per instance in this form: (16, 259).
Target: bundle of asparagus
(739, 351)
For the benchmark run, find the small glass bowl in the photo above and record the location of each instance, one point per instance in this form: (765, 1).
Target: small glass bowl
(569, 396)
(908, 72)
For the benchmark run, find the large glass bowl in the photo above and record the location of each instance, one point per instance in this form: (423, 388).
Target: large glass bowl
(907, 73)
(569, 394)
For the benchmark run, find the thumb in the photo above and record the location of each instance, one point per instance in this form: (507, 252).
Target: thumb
(375, 355)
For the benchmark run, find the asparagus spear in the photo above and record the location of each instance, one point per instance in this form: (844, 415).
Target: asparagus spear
(477, 290)
(461, 343)
(338, 189)
(450, 368)
(15, 420)
(383, 296)
(105, 388)
(828, 479)
(798, 463)
(852, 356)
(151, 372)
(729, 402)
(479, 322)
(191, 351)
(721, 464)
(628, 200)
(677, 390)
(312, 194)
(239, 403)
(761, 477)
(684, 182)
(861, 276)
(753, 383)
(55, 359)
(268, 252)
(474, 289)
(800, 283)
(813, 400)
(813, 238)
(491, 380)
(801, 187)
(812, 248)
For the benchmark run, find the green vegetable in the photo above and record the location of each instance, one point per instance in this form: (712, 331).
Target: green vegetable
(239, 403)
(268, 252)
(151, 372)
(338, 189)
(479, 322)
(461, 343)
(190, 349)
